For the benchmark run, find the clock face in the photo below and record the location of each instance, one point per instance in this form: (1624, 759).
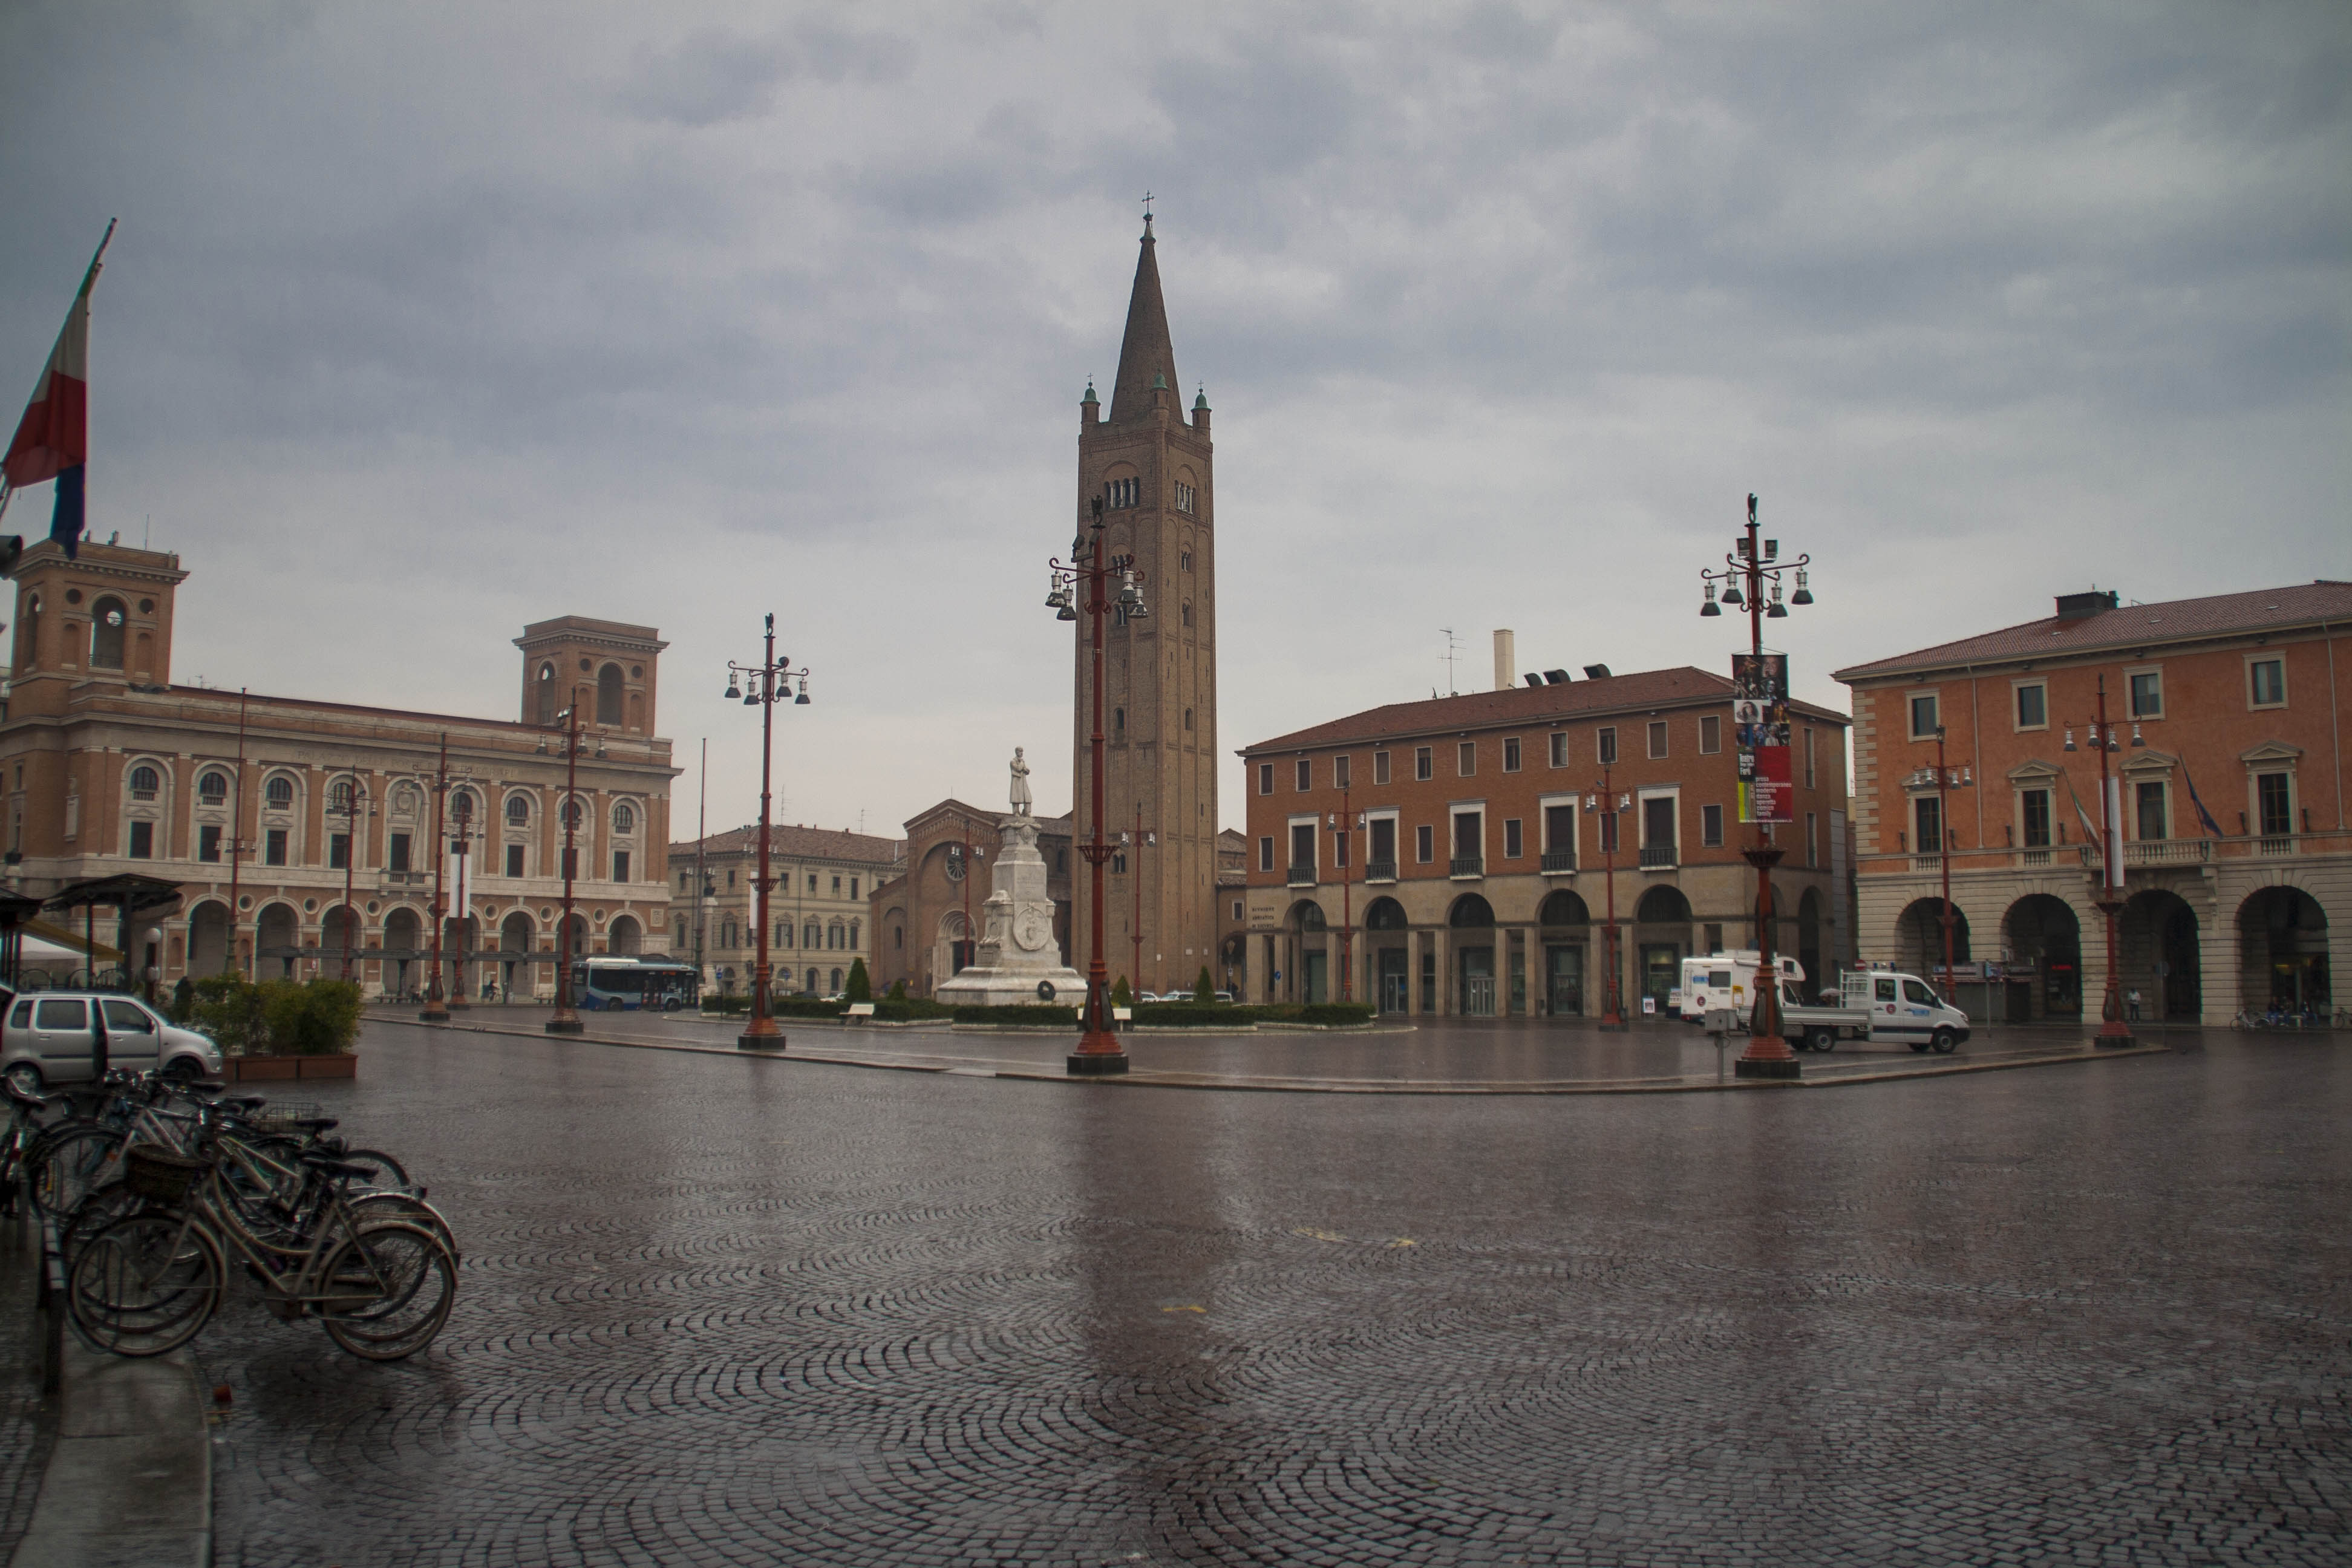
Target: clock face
(1033, 930)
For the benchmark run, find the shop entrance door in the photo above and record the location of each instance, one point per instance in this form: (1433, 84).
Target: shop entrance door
(1318, 966)
(1477, 982)
(1392, 979)
(1565, 995)
(1662, 970)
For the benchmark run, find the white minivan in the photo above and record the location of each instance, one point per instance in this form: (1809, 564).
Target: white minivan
(47, 1038)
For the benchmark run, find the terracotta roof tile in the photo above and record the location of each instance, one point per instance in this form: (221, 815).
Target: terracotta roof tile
(798, 843)
(2129, 625)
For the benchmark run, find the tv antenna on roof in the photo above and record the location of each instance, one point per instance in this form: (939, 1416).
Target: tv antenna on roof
(1453, 645)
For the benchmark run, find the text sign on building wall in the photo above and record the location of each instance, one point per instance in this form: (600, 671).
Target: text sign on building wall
(1759, 719)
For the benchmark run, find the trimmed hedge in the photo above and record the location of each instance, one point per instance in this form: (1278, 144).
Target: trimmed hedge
(1018, 1012)
(910, 1009)
(1337, 1013)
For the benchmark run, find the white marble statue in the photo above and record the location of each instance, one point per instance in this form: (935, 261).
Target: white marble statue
(1020, 800)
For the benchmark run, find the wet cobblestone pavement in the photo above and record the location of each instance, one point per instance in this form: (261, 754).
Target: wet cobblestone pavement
(743, 1311)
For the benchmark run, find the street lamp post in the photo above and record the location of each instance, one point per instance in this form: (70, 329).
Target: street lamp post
(964, 868)
(2113, 1030)
(1604, 800)
(436, 1005)
(1746, 571)
(1946, 780)
(1098, 1053)
(1138, 843)
(461, 908)
(354, 793)
(764, 685)
(1343, 828)
(564, 1020)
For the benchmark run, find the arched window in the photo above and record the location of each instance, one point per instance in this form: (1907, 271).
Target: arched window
(213, 788)
(1188, 718)
(572, 815)
(1187, 612)
(517, 811)
(279, 793)
(107, 620)
(625, 818)
(547, 694)
(145, 782)
(608, 695)
(461, 805)
(339, 797)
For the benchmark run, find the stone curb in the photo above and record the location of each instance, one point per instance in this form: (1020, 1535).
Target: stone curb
(1148, 1079)
(129, 1475)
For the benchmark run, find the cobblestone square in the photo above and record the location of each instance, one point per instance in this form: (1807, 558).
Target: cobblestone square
(750, 1312)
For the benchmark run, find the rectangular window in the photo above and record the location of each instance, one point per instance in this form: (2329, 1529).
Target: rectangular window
(1465, 759)
(2148, 694)
(1302, 845)
(2272, 797)
(1510, 754)
(1809, 759)
(2033, 706)
(1265, 853)
(1339, 850)
(1560, 749)
(208, 848)
(339, 851)
(1305, 774)
(1422, 764)
(620, 865)
(1469, 834)
(836, 885)
(1710, 826)
(1384, 830)
(1927, 815)
(273, 851)
(1657, 738)
(1237, 911)
(1813, 840)
(142, 841)
(1560, 830)
(2266, 682)
(1425, 843)
(2148, 809)
(852, 887)
(1513, 844)
(1380, 767)
(1710, 734)
(396, 853)
(514, 864)
(681, 879)
(571, 864)
(1658, 822)
(1343, 777)
(2034, 805)
(1925, 718)
(1266, 778)
(1608, 744)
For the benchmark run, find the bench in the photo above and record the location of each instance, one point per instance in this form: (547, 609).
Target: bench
(860, 1011)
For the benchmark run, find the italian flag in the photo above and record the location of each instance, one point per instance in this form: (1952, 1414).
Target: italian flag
(52, 441)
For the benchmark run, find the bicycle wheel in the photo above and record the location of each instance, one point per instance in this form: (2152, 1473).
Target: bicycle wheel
(399, 1282)
(100, 1207)
(391, 1176)
(71, 1164)
(370, 1209)
(144, 1285)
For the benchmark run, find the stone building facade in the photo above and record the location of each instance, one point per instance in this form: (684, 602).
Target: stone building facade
(1480, 882)
(927, 917)
(112, 767)
(2229, 713)
(825, 880)
(1151, 469)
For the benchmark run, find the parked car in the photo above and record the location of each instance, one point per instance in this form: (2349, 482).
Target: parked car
(49, 1038)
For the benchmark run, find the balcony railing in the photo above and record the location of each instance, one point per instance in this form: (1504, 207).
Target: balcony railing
(1466, 865)
(2274, 844)
(2169, 851)
(1302, 876)
(1559, 860)
(2034, 858)
(1379, 870)
(2149, 854)
(1657, 857)
(1928, 863)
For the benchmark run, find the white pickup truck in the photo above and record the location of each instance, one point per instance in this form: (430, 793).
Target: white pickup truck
(1875, 1005)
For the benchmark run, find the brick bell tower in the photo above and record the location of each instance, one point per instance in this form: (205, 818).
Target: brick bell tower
(1152, 469)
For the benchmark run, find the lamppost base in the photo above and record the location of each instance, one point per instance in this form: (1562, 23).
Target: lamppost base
(1084, 1063)
(772, 1041)
(2119, 1037)
(1768, 1068)
(434, 1014)
(569, 1023)
(1614, 1026)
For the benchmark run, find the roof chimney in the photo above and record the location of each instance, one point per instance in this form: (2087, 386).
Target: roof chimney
(2079, 607)
(1506, 660)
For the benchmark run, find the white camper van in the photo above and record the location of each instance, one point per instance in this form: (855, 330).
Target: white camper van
(1728, 980)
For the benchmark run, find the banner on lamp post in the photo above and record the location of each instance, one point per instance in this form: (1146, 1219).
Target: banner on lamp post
(1760, 722)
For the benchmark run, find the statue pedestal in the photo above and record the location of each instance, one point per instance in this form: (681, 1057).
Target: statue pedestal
(1017, 953)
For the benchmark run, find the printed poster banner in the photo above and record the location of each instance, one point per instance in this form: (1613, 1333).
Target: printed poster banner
(1759, 722)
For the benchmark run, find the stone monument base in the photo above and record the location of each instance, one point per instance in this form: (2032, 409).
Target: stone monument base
(1011, 988)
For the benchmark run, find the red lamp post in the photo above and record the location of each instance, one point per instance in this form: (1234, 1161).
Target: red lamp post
(436, 1005)
(2113, 1030)
(1343, 828)
(1605, 801)
(564, 1020)
(1138, 843)
(765, 684)
(354, 795)
(1946, 780)
(461, 908)
(1746, 571)
(1098, 1053)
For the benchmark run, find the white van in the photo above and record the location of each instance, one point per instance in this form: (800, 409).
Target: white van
(1728, 980)
(47, 1038)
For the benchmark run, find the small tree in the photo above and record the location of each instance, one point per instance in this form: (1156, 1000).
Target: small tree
(897, 990)
(1120, 996)
(861, 984)
(1203, 991)
(228, 1008)
(184, 1001)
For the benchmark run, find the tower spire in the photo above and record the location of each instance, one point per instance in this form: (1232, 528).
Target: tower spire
(1146, 353)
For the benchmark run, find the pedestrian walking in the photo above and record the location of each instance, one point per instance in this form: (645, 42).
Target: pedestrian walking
(2131, 1004)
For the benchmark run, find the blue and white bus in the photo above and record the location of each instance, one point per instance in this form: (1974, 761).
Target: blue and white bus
(610, 983)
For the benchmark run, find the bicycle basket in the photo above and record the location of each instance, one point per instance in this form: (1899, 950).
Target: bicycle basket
(152, 1171)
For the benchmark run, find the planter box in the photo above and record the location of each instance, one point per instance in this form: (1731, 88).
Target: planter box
(254, 1070)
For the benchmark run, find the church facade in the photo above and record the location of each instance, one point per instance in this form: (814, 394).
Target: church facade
(1151, 467)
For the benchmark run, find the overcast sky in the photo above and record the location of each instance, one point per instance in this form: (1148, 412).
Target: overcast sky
(424, 321)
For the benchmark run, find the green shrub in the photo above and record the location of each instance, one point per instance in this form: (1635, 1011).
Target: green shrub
(1204, 992)
(1191, 1015)
(1335, 1012)
(861, 984)
(1018, 1012)
(311, 1019)
(1120, 996)
(897, 990)
(805, 1007)
(725, 1006)
(903, 1009)
(184, 1001)
(228, 1008)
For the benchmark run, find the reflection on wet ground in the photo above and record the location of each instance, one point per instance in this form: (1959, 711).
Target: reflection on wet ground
(722, 1310)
